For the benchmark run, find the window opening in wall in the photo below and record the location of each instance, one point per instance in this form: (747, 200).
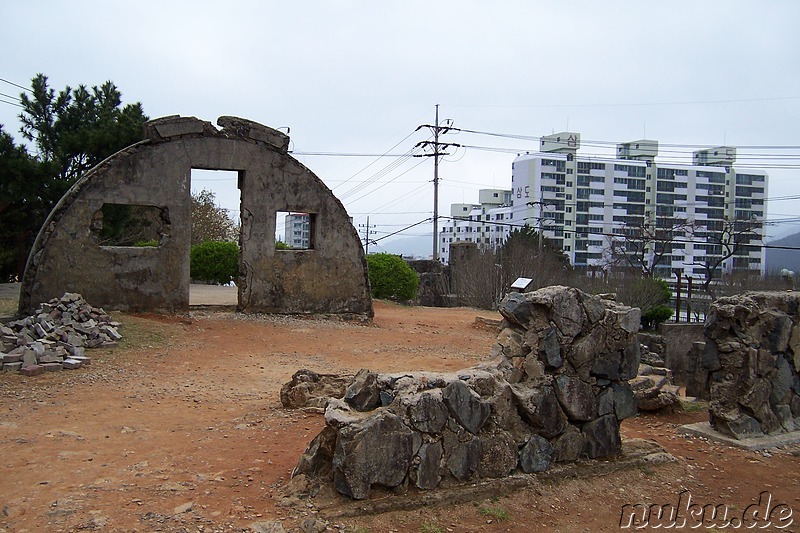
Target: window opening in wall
(131, 225)
(294, 230)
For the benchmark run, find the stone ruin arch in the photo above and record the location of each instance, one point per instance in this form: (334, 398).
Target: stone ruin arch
(154, 175)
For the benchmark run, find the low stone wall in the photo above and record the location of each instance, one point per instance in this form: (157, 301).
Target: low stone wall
(556, 391)
(752, 353)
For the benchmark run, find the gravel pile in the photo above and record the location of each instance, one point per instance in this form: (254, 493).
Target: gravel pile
(56, 336)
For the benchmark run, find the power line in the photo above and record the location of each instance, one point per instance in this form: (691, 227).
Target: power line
(404, 229)
(15, 85)
(11, 103)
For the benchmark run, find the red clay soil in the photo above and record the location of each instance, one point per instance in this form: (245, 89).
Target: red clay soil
(181, 429)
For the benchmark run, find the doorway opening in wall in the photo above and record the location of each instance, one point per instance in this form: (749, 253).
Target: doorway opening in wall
(215, 226)
(294, 230)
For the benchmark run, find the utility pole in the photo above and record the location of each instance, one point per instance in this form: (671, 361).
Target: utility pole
(367, 232)
(437, 153)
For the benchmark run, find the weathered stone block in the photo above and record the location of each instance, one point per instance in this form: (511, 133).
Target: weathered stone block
(362, 394)
(427, 412)
(466, 406)
(536, 455)
(430, 458)
(71, 364)
(602, 437)
(576, 397)
(742, 427)
(569, 446)
(498, 454)
(377, 450)
(515, 308)
(551, 350)
(624, 400)
(541, 409)
(32, 370)
(463, 452)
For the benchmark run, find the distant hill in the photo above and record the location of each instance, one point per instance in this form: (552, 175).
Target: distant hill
(416, 247)
(777, 259)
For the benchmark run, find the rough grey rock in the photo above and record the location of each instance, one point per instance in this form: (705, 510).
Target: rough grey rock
(499, 454)
(427, 412)
(569, 446)
(782, 380)
(754, 335)
(602, 437)
(377, 450)
(576, 397)
(316, 459)
(310, 389)
(515, 308)
(624, 400)
(540, 408)
(466, 406)
(739, 428)
(551, 350)
(463, 452)
(427, 472)
(363, 394)
(536, 455)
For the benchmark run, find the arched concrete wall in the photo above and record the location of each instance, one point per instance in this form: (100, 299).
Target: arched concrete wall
(330, 278)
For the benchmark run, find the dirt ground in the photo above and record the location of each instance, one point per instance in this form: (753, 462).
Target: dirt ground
(180, 428)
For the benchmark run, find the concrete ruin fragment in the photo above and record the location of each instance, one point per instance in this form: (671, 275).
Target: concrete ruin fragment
(556, 392)
(154, 176)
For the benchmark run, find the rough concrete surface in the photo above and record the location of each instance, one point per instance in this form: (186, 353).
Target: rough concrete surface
(766, 442)
(71, 255)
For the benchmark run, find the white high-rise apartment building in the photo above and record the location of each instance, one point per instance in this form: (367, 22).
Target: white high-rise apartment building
(297, 230)
(586, 203)
(485, 223)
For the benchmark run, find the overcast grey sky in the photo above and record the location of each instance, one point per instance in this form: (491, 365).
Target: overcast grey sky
(360, 76)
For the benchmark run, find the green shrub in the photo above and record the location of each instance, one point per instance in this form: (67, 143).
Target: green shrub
(655, 315)
(214, 262)
(391, 278)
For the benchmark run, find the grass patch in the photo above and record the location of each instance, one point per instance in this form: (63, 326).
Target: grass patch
(694, 407)
(494, 512)
(139, 332)
(647, 471)
(8, 306)
(430, 527)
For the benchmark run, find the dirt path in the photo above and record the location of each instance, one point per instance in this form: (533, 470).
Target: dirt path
(181, 429)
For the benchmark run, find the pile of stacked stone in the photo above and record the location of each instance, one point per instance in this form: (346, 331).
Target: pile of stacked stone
(556, 392)
(653, 386)
(752, 353)
(55, 336)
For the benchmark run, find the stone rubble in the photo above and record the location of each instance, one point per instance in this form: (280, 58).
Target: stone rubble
(654, 387)
(56, 336)
(556, 391)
